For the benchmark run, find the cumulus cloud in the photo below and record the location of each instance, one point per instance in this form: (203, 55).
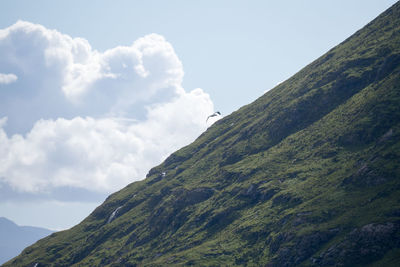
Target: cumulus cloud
(84, 119)
(60, 76)
(7, 78)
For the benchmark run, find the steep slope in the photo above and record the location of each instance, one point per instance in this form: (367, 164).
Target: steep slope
(308, 174)
(14, 238)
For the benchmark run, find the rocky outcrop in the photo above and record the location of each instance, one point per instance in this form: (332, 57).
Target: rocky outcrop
(291, 250)
(362, 245)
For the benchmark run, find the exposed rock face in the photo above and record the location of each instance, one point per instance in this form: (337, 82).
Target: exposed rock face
(362, 246)
(300, 248)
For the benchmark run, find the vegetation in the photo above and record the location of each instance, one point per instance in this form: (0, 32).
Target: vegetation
(307, 175)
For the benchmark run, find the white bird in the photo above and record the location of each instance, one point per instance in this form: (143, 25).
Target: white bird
(214, 115)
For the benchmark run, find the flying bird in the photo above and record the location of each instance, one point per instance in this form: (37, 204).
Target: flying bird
(214, 115)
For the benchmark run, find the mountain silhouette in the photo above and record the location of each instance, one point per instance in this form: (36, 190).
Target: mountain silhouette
(14, 238)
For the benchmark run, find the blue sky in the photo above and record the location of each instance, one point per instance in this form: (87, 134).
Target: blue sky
(231, 46)
(88, 115)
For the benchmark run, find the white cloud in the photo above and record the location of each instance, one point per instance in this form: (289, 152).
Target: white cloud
(84, 119)
(69, 78)
(8, 78)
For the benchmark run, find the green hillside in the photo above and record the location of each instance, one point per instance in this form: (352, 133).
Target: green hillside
(307, 175)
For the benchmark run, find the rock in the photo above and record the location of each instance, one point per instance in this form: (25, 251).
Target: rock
(362, 246)
(388, 135)
(365, 176)
(292, 250)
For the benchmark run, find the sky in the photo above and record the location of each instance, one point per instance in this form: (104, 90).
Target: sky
(95, 93)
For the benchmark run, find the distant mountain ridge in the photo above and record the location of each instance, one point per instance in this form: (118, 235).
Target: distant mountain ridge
(306, 175)
(14, 238)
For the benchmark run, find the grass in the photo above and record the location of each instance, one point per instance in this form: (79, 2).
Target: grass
(280, 181)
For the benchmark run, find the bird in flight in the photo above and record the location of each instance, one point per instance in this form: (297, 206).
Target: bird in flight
(214, 115)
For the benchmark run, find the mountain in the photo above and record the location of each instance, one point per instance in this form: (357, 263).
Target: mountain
(14, 238)
(307, 175)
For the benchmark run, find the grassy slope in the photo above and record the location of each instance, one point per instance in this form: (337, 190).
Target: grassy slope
(308, 174)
